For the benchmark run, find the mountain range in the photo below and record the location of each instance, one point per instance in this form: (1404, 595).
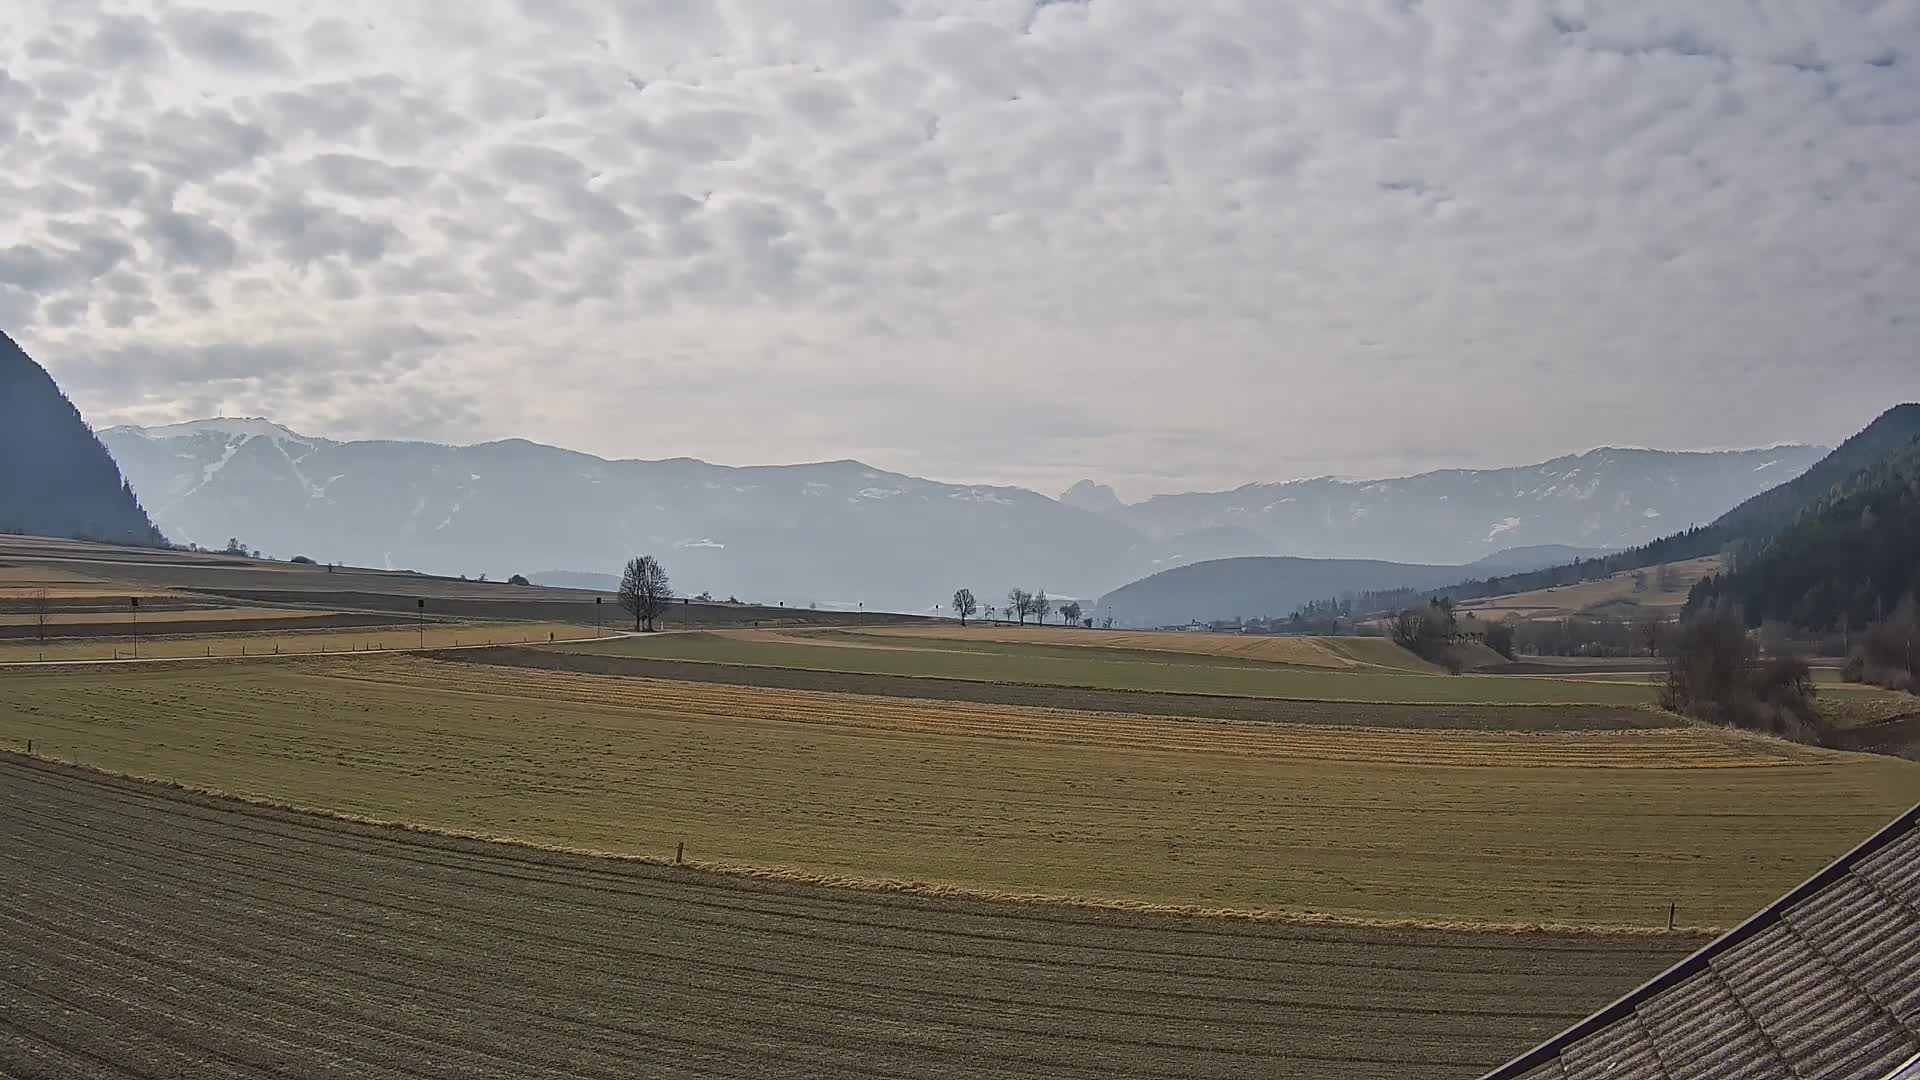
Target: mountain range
(846, 533)
(55, 477)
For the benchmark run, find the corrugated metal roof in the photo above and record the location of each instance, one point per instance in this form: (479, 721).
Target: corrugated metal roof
(1822, 985)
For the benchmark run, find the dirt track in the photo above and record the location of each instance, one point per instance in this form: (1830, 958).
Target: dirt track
(154, 933)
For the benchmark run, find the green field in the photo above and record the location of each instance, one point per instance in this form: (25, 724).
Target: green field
(1109, 669)
(1583, 828)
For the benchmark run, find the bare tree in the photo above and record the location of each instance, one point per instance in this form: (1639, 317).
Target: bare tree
(1070, 612)
(1667, 579)
(964, 605)
(1019, 604)
(1042, 607)
(42, 614)
(1650, 632)
(645, 590)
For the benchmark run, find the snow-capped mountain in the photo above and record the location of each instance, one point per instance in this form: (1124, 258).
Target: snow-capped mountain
(845, 532)
(830, 532)
(1606, 498)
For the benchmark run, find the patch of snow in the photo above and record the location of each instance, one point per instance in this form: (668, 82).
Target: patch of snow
(1649, 512)
(314, 491)
(703, 542)
(319, 491)
(980, 495)
(473, 476)
(1506, 525)
(449, 518)
(209, 472)
(880, 493)
(1765, 465)
(230, 426)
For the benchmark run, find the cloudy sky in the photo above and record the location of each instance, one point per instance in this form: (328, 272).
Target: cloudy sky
(1164, 243)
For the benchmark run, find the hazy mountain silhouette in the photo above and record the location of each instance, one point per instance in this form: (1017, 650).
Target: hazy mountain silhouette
(56, 479)
(844, 532)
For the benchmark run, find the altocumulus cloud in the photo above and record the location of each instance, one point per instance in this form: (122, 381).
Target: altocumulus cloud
(1164, 242)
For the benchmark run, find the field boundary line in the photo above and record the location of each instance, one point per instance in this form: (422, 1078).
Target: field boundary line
(882, 886)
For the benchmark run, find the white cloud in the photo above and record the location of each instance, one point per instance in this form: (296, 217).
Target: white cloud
(1169, 243)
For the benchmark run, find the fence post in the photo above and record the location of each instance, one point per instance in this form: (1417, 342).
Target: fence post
(29, 747)
(679, 852)
(1671, 908)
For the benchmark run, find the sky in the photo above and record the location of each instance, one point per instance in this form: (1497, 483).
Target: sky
(1167, 244)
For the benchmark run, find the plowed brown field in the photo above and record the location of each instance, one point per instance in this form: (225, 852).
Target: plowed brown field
(153, 933)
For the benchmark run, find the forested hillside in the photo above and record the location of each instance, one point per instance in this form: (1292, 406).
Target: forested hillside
(55, 477)
(1848, 561)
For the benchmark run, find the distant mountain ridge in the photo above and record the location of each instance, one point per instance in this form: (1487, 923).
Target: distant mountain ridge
(56, 479)
(844, 532)
(1606, 498)
(1750, 526)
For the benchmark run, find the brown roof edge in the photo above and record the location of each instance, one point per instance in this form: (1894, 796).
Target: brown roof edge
(1698, 962)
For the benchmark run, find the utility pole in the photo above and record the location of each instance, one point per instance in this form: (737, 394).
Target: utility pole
(596, 614)
(133, 606)
(421, 603)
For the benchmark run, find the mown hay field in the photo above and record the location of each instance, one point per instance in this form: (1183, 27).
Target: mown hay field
(280, 637)
(157, 621)
(1084, 699)
(1105, 668)
(1333, 653)
(1602, 828)
(154, 932)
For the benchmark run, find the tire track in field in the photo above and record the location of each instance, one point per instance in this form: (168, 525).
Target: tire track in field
(158, 933)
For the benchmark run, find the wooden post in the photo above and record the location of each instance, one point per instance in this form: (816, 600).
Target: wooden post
(1671, 908)
(29, 747)
(679, 852)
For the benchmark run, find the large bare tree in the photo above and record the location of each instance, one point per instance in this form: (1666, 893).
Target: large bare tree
(1019, 604)
(645, 590)
(964, 605)
(1041, 607)
(42, 613)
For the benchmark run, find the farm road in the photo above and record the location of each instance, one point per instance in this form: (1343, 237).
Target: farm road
(148, 932)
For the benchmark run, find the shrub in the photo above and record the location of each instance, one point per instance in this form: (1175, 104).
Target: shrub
(1714, 673)
(1429, 633)
(518, 579)
(302, 560)
(1500, 638)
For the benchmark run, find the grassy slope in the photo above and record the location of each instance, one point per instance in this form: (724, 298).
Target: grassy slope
(1602, 828)
(1114, 669)
(1612, 596)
